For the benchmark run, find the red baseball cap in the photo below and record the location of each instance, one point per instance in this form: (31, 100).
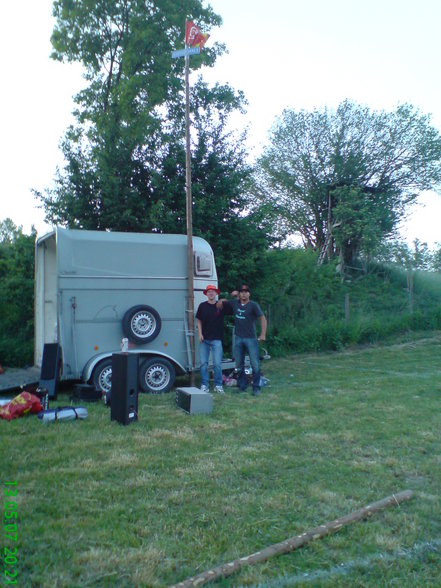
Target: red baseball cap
(211, 287)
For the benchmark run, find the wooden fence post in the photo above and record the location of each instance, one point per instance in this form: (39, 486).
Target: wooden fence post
(347, 309)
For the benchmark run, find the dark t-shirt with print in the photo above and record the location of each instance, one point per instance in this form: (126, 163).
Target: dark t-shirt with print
(245, 316)
(212, 319)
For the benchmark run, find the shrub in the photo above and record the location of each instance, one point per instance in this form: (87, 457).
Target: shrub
(17, 300)
(314, 309)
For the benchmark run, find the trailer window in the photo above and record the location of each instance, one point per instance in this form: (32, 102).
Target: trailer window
(203, 264)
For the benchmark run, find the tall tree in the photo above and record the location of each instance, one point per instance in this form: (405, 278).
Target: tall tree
(125, 48)
(342, 179)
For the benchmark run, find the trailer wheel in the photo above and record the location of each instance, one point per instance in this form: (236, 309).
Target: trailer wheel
(102, 376)
(141, 324)
(156, 375)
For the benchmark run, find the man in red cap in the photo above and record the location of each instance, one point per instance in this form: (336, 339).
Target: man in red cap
(210, 325)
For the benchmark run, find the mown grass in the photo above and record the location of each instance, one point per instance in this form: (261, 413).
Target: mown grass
(172, 495)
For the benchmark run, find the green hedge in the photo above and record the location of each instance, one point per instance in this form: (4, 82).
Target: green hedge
(314, 309)
(309, 308)
(17, 301)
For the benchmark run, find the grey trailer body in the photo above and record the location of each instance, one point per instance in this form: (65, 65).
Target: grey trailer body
(94, 288)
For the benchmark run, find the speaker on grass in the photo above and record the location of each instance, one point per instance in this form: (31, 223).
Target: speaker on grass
(124, 403)
(50, 369)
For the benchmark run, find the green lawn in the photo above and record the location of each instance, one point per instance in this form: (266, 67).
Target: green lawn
(170, 496)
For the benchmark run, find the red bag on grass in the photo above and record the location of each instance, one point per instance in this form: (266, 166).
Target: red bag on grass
(20, 405)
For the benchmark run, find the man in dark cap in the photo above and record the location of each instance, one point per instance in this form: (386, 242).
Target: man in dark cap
(246, 312)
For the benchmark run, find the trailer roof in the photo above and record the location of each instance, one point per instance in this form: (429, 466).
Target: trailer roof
(99, 253)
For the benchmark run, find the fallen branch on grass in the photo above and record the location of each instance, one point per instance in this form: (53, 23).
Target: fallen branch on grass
(294, 542)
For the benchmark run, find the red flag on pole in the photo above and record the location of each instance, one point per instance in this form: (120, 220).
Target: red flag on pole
(194, 37)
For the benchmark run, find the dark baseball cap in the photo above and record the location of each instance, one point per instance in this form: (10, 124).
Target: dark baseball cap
(244, 288)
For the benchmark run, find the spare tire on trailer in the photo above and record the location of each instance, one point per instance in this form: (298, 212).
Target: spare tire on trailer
(157, 375)
(141, 324)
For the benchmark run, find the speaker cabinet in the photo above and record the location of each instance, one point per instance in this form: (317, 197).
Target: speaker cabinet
(85, 392)
(193, 401)
(124, 399)
(50, 368)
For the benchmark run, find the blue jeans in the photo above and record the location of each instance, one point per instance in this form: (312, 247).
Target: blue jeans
(215, 346)
(241, 347)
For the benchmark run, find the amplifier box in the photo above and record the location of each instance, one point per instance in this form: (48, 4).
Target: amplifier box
(193, 401)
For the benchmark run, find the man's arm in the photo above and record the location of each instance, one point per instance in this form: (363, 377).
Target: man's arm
(199, 325)
(224, 302)
(263, 325)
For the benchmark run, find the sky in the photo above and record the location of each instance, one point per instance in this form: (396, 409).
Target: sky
(299, 54)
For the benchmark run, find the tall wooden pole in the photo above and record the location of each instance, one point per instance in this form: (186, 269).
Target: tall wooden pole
(190, 270)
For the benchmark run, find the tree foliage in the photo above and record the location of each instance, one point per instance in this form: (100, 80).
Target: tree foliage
(112, 151)
(436, 258)
(9, 232)
(342, 179)
(415, 257)
(16, 294)
(125, 157)
(125, 48)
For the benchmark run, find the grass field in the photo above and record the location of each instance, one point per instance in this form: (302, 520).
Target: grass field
(170, 496)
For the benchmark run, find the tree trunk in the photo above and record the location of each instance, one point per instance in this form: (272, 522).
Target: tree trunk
(347, 309)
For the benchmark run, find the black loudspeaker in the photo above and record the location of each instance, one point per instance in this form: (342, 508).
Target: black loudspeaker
(124, 402)
(50, 369)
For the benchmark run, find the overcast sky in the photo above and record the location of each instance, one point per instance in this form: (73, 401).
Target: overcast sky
(284, 53)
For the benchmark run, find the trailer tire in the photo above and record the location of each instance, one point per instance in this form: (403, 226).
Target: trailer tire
(102, 376)
(156, 375)
(141, 324)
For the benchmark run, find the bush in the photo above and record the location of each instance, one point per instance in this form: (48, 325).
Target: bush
(17, 300)
(315, 310)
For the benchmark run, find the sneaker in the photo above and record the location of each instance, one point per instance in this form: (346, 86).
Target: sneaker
(256, 392)
(204, 388)
(219, 389)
